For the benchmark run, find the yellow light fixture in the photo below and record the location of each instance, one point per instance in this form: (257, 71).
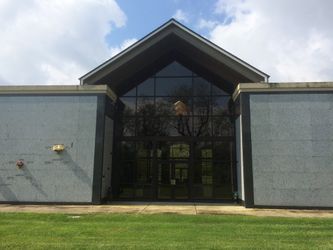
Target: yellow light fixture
(180, 108)
(58, 148)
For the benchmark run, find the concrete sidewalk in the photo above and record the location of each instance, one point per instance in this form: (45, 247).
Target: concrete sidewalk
(166, 207)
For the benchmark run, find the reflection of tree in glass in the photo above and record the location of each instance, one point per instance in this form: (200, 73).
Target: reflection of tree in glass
(151, 120)
(128, 122)
(222, 126)
(222, 120)
(200, 107)
(160, 119)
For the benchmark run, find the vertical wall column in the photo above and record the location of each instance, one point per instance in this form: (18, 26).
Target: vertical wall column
(99, 148)
(247, 149)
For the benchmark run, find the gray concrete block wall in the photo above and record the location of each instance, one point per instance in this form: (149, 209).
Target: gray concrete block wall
(292, 149)
(29, 126)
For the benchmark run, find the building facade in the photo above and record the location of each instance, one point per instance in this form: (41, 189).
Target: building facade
(172, 118)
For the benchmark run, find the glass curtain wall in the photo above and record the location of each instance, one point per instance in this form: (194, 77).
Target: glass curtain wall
(173, 109)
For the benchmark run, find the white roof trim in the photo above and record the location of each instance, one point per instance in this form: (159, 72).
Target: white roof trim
(172, 21)
(57, 89)
(282, 87)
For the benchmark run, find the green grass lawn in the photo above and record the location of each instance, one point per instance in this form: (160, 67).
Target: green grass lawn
(165, 231)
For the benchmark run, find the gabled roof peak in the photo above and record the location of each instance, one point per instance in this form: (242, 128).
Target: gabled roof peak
(173, 37)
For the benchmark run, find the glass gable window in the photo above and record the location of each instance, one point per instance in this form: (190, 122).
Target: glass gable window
(176, 139)
(150, 109)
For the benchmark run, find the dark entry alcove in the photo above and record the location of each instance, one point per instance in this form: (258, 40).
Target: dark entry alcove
(164, 155)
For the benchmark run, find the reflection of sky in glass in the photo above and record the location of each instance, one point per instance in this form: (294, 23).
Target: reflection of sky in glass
(155, 110)
(200, 86)
(129, 103)
(146, 88)
(174, 69)
(132, 92)
(173, 86)
(217, 91)
(220, 105)
(201, 105)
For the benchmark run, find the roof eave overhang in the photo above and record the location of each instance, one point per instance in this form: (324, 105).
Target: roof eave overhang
(173, 27)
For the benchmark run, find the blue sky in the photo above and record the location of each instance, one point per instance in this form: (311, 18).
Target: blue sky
(56, 42)
(146, 15)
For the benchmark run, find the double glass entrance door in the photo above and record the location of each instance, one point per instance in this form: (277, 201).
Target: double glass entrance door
(173, 180)
(173, 170)
(156, 170)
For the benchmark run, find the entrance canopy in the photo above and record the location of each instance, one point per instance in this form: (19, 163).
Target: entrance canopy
(172, 42)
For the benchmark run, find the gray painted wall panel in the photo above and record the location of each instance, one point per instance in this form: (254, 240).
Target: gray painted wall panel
(292, 149)
(29, 126)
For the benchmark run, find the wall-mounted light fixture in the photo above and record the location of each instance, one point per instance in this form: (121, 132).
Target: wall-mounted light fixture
(19, 164)
(180, 108)
(58, 148)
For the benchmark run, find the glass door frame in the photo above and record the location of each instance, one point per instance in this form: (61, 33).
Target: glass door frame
(190, 161)
(173, 185)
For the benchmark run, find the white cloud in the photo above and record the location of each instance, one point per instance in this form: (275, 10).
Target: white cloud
(206, 24)
(54, 42)
(181, 16)
(290, 40)
(124, 45)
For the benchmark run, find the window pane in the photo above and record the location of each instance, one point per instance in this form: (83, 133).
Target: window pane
(127, 172)
(179, 150)
(144, 149)
(169, 150)
(171, 126)
(153, 126)
(203, 150)
(203, 172)
(183, 125)
(222, 151)
(144, 171)
(146, 106)
(222, 180)
(164, 106)
(200, 86)
(146, 126)
(202, 125)
(173, 86)
(218, 91)
(144, 191)
(132, 92)
(128, 150)
(128, 126)
(222, 126)
(221, 105)
(126, 191)
(146, 88)
(129, 103)
(174, 69)
(202, 191)
(202, 106)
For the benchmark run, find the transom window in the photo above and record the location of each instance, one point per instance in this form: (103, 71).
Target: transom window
(150, 109)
